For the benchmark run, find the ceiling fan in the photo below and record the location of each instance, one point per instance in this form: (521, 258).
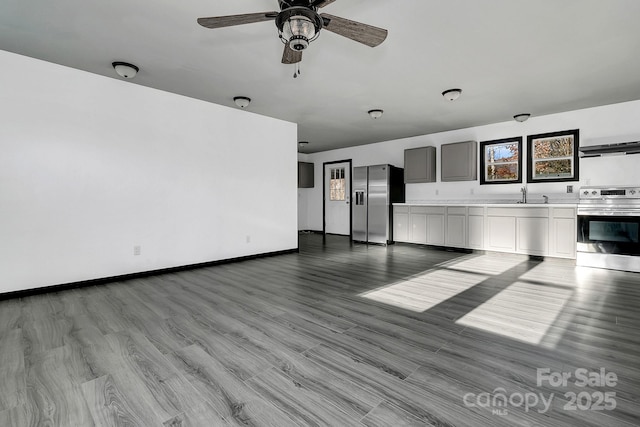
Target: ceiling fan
(299, 24)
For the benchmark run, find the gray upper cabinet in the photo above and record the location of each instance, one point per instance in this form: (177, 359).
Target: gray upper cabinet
(420, 165)
(459, 161)
(305, 175)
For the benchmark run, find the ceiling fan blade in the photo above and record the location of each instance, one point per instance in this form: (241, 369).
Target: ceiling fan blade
(363, 33)
(290, 56)
(231, 20)
(322, 3)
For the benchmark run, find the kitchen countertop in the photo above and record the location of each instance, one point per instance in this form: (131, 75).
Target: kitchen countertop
(496, 203)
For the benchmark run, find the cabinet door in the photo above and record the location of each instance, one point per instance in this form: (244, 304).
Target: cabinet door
(418, 228)
(533, 236)
(456, 235)
(476, 231)
(501, 233)
(400, 226)
(435, 229)
(420, 165)
(459, 161)
(563, 238)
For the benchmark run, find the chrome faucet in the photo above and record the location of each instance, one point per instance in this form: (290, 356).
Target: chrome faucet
(523, 190)
(546, 199)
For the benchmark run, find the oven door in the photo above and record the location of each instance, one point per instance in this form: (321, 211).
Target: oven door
(609, 234)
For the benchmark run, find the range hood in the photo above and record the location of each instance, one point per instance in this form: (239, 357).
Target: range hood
(610, 149)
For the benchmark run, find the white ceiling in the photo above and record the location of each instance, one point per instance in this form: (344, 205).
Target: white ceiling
(508, 56)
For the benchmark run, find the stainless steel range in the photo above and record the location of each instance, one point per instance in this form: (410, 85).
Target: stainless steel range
(609, 228)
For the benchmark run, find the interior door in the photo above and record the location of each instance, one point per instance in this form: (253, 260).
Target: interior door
(337, 198)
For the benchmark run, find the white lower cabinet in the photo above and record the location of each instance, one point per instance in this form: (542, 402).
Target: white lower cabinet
(475, 227)
(435, 228)
(501, 233)
(533, 230)
(418, 227)
(401, 223)
(426, 225)
(563, 233)
(532, 235)
(456, 235)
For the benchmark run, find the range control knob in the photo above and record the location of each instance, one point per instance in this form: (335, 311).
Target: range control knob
(594, 192)
(632, 191)
(586, 193)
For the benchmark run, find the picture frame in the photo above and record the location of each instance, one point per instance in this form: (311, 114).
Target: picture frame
(553, 157)
(501, 161)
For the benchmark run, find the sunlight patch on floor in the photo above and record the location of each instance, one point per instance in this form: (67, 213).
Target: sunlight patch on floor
(484, 264)
(523, 311)
(425, 291)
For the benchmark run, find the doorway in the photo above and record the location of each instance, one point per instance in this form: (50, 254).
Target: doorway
(336, 192)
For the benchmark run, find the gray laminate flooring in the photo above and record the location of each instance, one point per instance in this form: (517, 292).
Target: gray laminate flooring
(338, 334)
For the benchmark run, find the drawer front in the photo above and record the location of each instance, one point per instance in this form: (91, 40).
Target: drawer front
(428, 209)
(456, 210)
(564, 212)
(519, 212)
(476, 210)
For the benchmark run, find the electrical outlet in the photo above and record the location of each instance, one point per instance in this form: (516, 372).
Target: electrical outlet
(437, 192)
(248, 239)
(569, 188)
(137, 250)
(471, 191)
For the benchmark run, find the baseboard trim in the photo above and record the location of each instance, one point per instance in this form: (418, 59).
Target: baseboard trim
(123, 277)
(310, 232)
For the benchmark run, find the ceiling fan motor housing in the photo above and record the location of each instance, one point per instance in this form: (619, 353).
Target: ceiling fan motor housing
(298, 26)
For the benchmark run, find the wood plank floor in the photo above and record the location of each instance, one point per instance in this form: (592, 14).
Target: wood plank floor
(338, 334)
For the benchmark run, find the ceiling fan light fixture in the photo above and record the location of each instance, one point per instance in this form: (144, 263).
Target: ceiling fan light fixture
(242, 101)
(375, 114)
(298, 26)
(125, 70)
(522, 117)
(452, 94)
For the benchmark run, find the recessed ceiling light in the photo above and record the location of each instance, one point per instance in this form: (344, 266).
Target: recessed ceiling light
(124, 69)
(452, 94)
(303, 143)
(375, 114)
(242, 101)
(522, 117)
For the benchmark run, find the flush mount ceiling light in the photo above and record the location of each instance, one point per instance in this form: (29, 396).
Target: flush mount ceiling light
(522, 117)
(242, 101)
(124, 69)
(375, 114)
(452, 94)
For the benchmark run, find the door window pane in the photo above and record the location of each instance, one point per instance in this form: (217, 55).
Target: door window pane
(337, 185)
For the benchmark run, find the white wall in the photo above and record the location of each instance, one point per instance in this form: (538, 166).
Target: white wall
(600, 125)
(92, 166)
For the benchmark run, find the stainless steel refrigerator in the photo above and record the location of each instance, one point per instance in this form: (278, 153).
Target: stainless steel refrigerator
(375, 188)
